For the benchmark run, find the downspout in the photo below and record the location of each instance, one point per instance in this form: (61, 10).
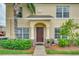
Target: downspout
(15, 19)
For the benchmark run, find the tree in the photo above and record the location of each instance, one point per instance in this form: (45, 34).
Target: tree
(31, 7)
(67, 29)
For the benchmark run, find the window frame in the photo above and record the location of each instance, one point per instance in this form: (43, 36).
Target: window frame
(57, 11)
(56, 33)
(22, 33)
(60, 36)
(62, 10)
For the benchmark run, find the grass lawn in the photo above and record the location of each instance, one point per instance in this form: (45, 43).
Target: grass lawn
(70, 52)
(6, 51)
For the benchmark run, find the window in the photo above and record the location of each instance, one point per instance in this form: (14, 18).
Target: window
(22, 33)
(62, 11)
(66, 12)
(59, 11)
(64, 36)
(25, 32)
(57, 34)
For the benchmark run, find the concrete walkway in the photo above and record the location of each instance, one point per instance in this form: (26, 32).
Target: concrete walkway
(39, 50)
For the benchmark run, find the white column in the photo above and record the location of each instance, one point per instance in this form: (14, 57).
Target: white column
(47, 30)
(32, 33)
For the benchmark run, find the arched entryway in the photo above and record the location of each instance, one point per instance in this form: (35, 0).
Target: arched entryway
(40, 33)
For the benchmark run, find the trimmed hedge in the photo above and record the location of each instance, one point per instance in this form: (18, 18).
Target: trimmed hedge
(16, 44)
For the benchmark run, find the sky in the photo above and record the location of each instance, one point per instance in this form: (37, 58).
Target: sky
(2, 14)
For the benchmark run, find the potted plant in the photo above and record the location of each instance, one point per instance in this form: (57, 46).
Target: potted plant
(49, 42)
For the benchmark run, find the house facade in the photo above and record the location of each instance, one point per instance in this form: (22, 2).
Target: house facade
(43, 25)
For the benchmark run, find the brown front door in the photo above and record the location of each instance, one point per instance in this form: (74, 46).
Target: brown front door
(39, 34)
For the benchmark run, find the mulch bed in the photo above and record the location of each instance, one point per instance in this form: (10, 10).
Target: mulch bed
(56, 47)
(29, 50)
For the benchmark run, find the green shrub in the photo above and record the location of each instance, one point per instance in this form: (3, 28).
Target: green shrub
(63, 42)
(16, 44)
(76, 42)
(49, 40)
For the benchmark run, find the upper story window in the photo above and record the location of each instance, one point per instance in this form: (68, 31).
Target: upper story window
(62, 11)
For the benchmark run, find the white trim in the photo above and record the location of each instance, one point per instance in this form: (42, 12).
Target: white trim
(43, 18)
(36, 18)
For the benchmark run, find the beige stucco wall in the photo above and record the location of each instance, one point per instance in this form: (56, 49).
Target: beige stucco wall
(41, 9)
(26, 12)
(23, 23)
(74, 11)
(45, 9)
(50, 9)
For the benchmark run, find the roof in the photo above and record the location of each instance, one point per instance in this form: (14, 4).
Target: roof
(39, 16)
(33, 17)
(2, 26)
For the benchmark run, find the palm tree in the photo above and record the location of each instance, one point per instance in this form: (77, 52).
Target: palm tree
(31, 8)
